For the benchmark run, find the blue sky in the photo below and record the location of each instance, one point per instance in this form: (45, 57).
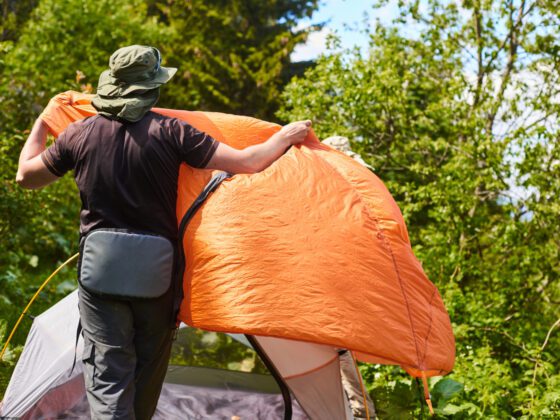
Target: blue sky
(344, 18)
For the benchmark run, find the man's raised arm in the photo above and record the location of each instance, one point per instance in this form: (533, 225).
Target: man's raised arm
(32, 172)
(258, 157)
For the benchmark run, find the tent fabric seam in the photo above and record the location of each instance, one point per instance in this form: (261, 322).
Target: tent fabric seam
(315, 369)
(430, 325)
(383, 238)
(405, 295)
(273, 369)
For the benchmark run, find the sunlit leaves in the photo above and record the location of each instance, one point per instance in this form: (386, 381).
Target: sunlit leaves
(468, 146)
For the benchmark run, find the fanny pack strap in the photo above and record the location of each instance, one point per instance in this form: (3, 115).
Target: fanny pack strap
(78, 331)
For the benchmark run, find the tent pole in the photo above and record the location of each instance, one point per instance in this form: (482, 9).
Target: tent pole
(68, 261)
(283, 387)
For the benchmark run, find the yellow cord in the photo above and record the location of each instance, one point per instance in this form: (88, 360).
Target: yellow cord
(361, 385)
(72, 258)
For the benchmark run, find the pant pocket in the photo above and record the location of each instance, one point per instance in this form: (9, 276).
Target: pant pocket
(88, 360)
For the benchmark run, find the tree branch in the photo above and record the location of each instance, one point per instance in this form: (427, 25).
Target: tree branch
(480, 49)
(556, 324)
(513, 37)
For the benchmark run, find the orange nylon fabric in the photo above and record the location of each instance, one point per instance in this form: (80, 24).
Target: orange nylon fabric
(313, 248)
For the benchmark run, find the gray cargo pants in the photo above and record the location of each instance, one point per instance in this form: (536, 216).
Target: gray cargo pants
(126, 351)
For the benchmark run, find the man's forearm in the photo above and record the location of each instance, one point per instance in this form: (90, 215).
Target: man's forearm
(261, 156)
(35, 144)
(32, 172)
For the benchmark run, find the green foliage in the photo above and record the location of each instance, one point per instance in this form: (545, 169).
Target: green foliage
(456, 109)
(65, 44)
(194, 347)
(9, 358)
(14, 15)
(232, 56)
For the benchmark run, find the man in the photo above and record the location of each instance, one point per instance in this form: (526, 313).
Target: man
(126, 162)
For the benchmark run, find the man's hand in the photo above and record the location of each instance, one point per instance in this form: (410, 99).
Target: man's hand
(295, 132)
(32, 172)
(259, 157)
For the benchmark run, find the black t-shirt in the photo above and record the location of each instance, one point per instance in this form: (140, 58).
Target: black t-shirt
(127, 172)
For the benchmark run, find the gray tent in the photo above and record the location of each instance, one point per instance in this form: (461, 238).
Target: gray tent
(301, 380)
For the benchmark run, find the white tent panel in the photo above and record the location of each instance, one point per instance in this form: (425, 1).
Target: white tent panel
(296, 357)
(320, 393)
(46, 358)
(312, 372)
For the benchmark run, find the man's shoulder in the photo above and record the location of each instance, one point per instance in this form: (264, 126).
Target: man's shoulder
(172, 126)
(161, 119)
(76, 128)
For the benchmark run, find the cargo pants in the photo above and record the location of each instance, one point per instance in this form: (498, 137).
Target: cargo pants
(126, 351)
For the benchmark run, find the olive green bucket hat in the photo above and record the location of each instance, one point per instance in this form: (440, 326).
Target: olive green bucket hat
(130, 87)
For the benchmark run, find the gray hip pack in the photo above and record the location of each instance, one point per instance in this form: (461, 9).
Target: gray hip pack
(125, 264)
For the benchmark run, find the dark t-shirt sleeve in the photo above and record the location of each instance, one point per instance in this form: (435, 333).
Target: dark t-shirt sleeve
(58, 157)
(195, 147)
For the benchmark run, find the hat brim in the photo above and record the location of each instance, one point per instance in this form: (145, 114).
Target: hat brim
(164, 74)
(112, 86)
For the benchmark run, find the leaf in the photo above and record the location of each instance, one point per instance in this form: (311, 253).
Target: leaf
(34, 261)
(445, 390)
(466, 408)
(3, 328)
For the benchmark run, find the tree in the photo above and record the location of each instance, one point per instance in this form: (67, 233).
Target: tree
(232, 55)
(455, 107)
(14, 15)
